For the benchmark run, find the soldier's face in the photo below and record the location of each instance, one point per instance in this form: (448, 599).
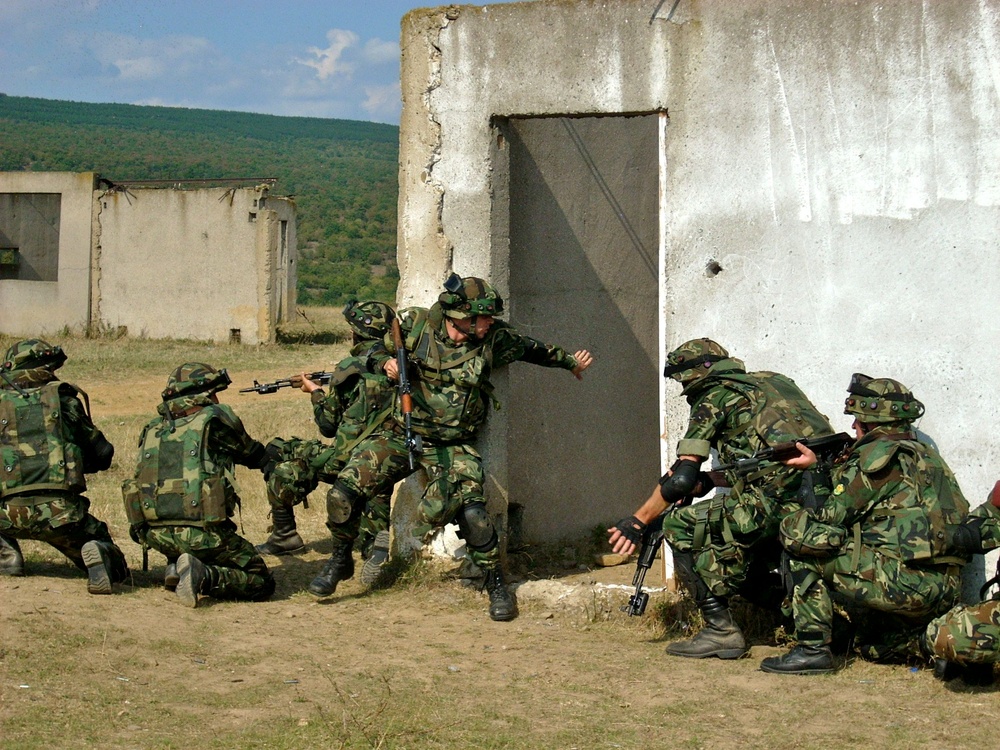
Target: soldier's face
(859, 430)
(461, 330)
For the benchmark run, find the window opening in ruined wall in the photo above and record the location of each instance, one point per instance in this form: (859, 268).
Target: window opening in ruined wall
(29, 236)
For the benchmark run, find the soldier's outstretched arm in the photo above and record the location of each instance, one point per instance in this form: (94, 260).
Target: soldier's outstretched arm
(624, 537)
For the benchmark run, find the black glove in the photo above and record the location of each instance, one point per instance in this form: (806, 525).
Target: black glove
(136, 531)
(632, 529)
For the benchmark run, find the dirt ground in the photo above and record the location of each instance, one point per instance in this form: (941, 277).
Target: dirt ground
(416, 665)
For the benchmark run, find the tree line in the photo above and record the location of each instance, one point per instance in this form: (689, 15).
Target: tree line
(341, 173)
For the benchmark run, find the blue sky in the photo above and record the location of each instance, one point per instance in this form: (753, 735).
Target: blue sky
(317, 58)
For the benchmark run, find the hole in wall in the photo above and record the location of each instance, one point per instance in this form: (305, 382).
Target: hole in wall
(713, 268)
(234, 335)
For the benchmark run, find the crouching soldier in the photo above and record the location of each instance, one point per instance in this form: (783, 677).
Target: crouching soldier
(965, 641)
(48, 442)
(183, 493)
(876, 537)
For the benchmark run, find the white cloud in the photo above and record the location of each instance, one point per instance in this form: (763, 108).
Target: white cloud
(152, 59)
(382, 100)
(377, 51)
(327, 61)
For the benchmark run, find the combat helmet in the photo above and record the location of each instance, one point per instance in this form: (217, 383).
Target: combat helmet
(693, 359)
(32, 353)
(881, 400)
(469, 297)
(369, 320)
(195, 377)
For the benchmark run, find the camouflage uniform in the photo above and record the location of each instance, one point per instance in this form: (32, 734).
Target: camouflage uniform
(358, 402)
(451, 396)
(726, 545)
(48, 442)
(878, 566)
(183, 493)
(968, 637)
(874, 541)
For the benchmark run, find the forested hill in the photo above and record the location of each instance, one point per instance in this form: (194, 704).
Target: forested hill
(342, 173)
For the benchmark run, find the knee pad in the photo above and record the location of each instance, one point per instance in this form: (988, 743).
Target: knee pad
(476, 528)
(340, 503)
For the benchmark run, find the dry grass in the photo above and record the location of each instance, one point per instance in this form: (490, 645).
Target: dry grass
(418, 665)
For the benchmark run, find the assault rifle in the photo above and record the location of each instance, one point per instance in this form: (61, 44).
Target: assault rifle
(322, 378)
(826, 447)
(414, 444)
(650, 543)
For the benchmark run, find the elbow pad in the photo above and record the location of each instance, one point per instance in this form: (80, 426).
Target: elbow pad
(100, 458)
(968, 537)
(680, 481)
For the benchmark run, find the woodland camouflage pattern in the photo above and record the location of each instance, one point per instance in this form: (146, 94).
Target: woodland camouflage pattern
(235, 570)
(894, 494)
(971, 634)
(42, 469)
(358, 402)
(738, 414)
(451, 392)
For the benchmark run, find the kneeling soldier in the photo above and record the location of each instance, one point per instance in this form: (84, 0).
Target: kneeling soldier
(183, 493)
(48, 442)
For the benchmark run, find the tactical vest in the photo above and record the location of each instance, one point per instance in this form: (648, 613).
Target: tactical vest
(177, 482)
(913, 523)
(781, 411)
(366, 401)
(35, 455)
(452, 390)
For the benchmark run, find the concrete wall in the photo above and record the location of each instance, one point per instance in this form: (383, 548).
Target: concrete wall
(36, 308)
(196, 264)
(214, 264)
(829, 184)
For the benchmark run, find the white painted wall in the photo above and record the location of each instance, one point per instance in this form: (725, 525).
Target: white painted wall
(838, 159)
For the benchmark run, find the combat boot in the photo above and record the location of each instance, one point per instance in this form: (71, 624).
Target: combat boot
(105, 565)
(11, 560)
(338, 568)
(284, 539)
(193, 579)
(802, 659)
(720, 637)
(502, 604)
(371, 571)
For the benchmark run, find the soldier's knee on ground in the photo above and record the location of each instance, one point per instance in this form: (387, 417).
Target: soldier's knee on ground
(476, 527)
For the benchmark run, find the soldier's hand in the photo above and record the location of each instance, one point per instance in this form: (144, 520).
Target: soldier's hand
(391, 369)
(625, 535)
(804, 460)
(584, 359)
(306, 385)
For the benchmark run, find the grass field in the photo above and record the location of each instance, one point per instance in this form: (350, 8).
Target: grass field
(418, 665)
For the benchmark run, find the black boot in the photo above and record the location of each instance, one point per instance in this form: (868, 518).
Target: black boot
(802, 659)
(502, 604)
(338, 568)
(105, 565)
(284, 539)
(720, 637)
(193, 579)
(11, 560)
(371, 571)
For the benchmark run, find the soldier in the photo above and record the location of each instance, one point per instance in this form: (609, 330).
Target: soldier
(453, 348)
(183, 492)
(720, 545)
(965, 642)
(48, 442)
(879, 539)
(358, 402)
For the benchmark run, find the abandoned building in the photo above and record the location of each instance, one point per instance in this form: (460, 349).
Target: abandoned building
(814, 185)
(163, 260)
